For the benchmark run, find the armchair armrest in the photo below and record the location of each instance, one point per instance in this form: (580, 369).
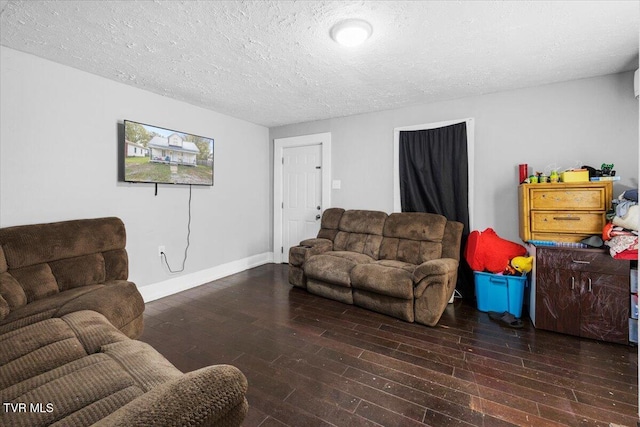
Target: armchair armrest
(433, 271)
(211, 396)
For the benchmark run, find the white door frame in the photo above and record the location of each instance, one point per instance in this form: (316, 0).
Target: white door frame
(397, 207)
(279, 144)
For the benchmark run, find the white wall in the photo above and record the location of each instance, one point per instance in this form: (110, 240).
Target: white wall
(590, 121)
(59, 160)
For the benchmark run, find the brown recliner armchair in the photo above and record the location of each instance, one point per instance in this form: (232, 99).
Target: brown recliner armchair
(49, 270)
(67, 316)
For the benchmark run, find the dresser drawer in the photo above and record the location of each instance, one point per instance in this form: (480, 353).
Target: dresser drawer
(565, 212)
(561, 199)
(560, 237)
(567, 222)
(586, 260)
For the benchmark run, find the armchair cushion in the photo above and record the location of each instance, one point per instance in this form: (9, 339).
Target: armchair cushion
(41, 309)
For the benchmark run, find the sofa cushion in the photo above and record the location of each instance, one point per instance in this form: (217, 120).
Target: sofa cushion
(11, 291)
(78, 271)
(37, 281)
(116, 265)
(330, 223)
(360, 231)
(27, 245)
(391, 278)
(335, 266)
(413, 237)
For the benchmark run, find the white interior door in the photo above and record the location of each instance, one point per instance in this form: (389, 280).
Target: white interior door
(301, 194)
(297, 228)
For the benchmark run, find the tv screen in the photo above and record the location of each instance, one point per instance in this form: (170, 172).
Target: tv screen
(165, 156)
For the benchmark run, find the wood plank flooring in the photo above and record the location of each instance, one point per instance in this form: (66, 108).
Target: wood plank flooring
(311, 361)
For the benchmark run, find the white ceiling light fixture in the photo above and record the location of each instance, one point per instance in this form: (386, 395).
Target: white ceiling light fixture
(351, 32)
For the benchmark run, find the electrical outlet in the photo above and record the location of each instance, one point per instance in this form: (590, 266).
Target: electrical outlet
(160, 250)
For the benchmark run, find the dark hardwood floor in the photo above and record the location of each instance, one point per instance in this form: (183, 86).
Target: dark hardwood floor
(311, 361)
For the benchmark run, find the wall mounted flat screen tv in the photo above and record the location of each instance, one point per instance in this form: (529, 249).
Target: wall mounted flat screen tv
(164, 156)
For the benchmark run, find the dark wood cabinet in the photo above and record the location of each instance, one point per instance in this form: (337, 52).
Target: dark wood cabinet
(582, 292)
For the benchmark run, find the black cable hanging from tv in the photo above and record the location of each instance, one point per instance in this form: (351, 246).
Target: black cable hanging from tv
(186, 249)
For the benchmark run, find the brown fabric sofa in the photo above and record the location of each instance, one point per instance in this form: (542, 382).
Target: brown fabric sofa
(66, 355)
(404, 264)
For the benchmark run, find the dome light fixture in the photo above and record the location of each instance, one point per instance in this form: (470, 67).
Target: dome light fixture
(351, 32)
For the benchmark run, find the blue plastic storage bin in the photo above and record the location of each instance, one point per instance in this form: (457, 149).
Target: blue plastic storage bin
(497, 292)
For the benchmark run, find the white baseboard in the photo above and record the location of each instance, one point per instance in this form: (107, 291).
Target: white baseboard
(188, 281)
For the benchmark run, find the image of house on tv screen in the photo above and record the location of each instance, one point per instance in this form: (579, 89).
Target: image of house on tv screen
(165, 156)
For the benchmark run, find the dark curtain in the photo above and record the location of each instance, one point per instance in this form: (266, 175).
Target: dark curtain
(434, 178)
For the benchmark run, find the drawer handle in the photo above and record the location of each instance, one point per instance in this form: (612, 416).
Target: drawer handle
(577, 261)
(566, 218)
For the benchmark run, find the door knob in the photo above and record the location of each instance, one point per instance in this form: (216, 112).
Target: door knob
(317, 217)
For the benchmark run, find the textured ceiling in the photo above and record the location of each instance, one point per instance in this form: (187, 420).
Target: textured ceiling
(273, 62)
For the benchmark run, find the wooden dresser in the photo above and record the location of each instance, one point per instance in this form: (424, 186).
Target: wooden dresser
(563, 212)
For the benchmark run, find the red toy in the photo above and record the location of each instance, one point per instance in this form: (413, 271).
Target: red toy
(486, 251)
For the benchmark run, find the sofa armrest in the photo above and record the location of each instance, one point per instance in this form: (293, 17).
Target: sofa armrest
(318, 244)
(211, 396)
(432, 271)
(298, 255)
